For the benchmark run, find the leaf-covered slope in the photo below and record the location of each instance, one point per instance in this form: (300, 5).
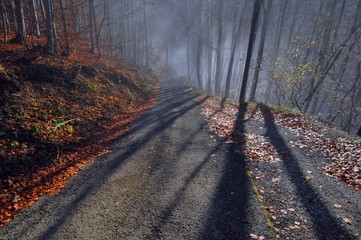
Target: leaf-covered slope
(342, 149)
(57, 114)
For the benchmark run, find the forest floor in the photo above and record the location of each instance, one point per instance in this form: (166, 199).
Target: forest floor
(259, 174)
(305, 173)
(57, 115)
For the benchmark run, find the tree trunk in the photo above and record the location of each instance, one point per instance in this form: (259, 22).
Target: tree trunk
(218, 77)
(331, 6)
(326, 66)
(35, 19)
(297, 7)
(242, 96)
(75, 15)
(96, 32)
(337, 27)
(67, 44)
(20, 22)
(49, 48)
(13, 8)
(359, 132)
(199, 62)
(55, 34)
(188, 48)
(110, 46)
(260, 50)
(281, 22)
(4, 21)
(233, 51)
(210, 50)
(92, 45)
(146, 35)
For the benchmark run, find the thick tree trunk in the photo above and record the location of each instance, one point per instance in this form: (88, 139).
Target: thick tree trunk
(260, 51)
(67, 44)
(252, 34)
(20, 22)
(233, 51)
(55, 34)
(218, 77)
(49, 48)
(4, 20)
(281, 23)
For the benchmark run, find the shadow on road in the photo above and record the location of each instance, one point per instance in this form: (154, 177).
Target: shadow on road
(147, 126)
(167, 213)
(326, 225)
(227, 218)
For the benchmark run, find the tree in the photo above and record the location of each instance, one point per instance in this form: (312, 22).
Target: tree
(67, 44)
(260, 50)
(94, 34)
(218, 77)
(34, 18)
(145, 34)
(188, 47)
(20, 22)
(233, 51)
(50, 46)
(4, 20)
(277, 46)
(252, 34)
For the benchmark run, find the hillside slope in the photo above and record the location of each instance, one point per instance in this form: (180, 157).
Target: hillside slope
(57, 114)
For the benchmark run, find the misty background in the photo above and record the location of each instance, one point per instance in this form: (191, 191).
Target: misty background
(306, 53)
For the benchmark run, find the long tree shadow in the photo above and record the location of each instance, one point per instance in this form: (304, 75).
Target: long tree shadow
(167, 212)
(46, 152)
(148, 127)
(326, 225)
(227, 217)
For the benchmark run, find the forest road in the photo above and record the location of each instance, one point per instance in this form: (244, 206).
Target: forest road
(169, 178)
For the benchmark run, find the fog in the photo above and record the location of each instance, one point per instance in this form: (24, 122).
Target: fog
(306, 54)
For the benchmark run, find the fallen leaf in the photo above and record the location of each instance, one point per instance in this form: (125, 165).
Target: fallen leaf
(307, 178)
(283, 211)
(254, 236)
(347, 220)
(275, 180)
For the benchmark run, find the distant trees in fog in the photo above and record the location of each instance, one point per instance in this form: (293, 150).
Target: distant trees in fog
(306, 53)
